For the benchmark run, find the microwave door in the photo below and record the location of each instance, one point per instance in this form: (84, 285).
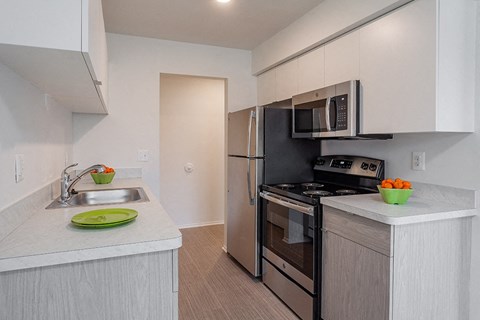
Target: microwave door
(326, 129)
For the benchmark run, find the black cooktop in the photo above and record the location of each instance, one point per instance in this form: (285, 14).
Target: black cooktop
(311, 192)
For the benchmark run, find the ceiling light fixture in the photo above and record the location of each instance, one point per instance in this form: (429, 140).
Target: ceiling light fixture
(223, 1)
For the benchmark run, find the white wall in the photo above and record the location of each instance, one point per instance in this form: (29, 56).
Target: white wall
(135, 65)
(35, 126)
(326, 21)
(192, 130)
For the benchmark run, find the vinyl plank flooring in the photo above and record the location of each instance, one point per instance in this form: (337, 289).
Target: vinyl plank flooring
(212, 285)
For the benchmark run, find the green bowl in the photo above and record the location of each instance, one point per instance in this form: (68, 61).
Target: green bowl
(102, 178)
(395, 196)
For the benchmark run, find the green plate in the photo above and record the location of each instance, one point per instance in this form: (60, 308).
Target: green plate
(104, 217)
(100, 226)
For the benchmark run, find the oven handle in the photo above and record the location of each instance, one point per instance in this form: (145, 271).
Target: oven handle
(292, 204)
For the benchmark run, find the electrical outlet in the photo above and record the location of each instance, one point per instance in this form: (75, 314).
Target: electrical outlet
(418, 161)
(142, 155)
(19, 167)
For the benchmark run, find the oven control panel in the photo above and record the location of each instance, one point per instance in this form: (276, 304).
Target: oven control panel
(339, 163)
(360, 166)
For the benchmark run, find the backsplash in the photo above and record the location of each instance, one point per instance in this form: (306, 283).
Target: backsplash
(34, 125)
(16, 214)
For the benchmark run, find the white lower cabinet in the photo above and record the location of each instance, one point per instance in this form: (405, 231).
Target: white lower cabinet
(374, 271)
(143, 286)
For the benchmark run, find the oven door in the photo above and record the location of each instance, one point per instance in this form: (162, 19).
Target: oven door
(290, 231)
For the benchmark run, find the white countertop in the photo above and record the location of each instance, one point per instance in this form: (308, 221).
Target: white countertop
(48, 237)
(416, 210)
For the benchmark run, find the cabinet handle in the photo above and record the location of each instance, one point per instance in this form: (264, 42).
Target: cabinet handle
(97, 82)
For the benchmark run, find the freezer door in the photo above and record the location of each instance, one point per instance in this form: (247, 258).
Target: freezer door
(243, 129)
(242, 217)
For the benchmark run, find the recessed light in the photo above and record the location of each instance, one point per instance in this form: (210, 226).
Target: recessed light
(223, 1)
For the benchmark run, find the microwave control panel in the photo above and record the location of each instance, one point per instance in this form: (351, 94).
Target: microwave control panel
(342, 112)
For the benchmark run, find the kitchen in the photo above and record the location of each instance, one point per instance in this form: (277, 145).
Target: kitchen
(134, 60)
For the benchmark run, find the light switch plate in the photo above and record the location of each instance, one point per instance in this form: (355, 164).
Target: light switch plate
(19, 167)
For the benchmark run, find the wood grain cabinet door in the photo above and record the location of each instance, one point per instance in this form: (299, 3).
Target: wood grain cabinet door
(355, 281)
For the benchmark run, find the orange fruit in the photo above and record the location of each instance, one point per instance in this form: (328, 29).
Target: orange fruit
(388, 185)
(398, 184)
(407, 185)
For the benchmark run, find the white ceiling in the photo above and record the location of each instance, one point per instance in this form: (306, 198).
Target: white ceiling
(241, 24)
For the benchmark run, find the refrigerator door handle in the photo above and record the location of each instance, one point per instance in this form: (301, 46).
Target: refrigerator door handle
(250, 124)
(249, 184)
(251, 197)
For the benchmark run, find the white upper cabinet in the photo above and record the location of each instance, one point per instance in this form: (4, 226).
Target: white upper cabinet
(416, 69)
(286, 80)
(60, 47)
(94, 45)
(266, 88)
(311, 70)
(342, 59)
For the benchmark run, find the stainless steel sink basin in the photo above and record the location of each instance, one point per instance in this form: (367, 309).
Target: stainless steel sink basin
(102, 197)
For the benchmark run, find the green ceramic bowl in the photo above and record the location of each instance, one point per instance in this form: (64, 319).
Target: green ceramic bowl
(395, 196)
(102, 178)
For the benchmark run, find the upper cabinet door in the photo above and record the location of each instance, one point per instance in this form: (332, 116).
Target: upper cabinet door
(94, 45)
(311, 70)
(286, 80)
(60, 47)
(416, 69)
(45, 24)
(342, 59)
(397, 70)
(266, 88)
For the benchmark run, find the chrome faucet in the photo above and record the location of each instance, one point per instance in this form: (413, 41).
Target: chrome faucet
(67, 184)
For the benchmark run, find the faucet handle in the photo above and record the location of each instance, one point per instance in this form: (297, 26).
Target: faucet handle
(64, 172)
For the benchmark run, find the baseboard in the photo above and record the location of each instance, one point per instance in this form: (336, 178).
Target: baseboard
(200, 224)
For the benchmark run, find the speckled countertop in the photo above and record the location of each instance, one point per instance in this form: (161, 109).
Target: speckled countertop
(428, 203)
(48, 237)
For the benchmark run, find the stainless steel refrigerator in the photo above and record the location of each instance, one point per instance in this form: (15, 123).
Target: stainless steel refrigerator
(260, 151)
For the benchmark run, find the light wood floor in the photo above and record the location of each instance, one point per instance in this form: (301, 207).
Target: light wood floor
(214, 286)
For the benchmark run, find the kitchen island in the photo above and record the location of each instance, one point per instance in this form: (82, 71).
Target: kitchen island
(50, 269)
(398, 262)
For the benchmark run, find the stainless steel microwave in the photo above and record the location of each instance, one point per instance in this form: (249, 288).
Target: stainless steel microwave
(329, 112)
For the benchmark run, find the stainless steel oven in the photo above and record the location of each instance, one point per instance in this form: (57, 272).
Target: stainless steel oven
(291, 223)
(290, 247)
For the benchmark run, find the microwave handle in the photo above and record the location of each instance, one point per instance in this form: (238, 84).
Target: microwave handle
(292, 204)
(327, 114)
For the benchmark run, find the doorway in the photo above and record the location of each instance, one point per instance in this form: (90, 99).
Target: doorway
(192, 149)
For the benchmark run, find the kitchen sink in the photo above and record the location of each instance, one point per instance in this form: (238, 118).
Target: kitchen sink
(102, 197)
